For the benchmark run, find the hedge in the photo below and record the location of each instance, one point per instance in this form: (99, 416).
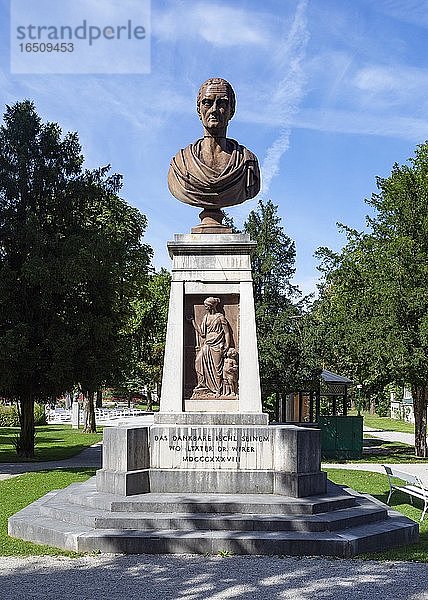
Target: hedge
(9, 416)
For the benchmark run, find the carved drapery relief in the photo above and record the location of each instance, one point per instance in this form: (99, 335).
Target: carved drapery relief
(211, 357)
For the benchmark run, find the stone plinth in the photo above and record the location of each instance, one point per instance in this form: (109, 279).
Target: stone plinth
(126, 461)
(226, 458)
(205, 265)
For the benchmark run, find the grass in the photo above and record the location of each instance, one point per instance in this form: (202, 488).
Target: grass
(155, 407)
(386, 423)
(380, 451)
(18, 492)
(53, 442)
(376, 485)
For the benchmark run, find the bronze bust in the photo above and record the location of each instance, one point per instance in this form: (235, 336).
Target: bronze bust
(215, 171)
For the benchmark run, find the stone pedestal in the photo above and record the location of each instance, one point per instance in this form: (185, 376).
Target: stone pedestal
(227, 459)
(210, 265)
(210, 474)
(202, 441)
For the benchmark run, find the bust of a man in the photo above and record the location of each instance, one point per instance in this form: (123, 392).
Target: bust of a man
(215, 171)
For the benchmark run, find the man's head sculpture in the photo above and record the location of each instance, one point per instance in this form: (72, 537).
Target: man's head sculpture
(215, 171)
(221, 86)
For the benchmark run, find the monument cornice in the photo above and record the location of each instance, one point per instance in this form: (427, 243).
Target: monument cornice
(214, 244)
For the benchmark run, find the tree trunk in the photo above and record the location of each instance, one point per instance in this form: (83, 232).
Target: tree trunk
(26, 441)
(99, 401)
(420, 402)
(90, 425)
(149, 406)
(372, 405)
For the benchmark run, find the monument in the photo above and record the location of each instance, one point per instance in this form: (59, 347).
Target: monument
(211, 474)
(211, 433)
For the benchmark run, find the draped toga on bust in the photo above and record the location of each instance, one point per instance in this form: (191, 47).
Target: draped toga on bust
(193, 182)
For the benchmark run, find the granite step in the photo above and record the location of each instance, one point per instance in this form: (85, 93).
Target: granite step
(99, 519)
(374, 537)
(365, 526)
(271, 504)
(394, 531)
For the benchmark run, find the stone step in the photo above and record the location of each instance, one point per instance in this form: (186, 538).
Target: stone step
(269, 504)
(99, 519)
(34, 524)
(374, 537)
(30, 525)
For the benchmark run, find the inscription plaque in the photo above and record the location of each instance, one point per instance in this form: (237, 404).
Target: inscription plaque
(215, 447)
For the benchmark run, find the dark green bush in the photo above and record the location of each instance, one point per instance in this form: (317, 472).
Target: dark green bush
(40, 415)
(9, 416)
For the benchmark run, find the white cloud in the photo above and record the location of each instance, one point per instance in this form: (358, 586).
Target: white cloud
(288, 94)
(215, 23)
(385, 86)
(356, 122)
(410, 11)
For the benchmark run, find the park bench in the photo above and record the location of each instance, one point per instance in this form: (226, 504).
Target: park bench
(413, 486)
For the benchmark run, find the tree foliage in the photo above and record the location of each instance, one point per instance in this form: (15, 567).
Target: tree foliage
(277, 308)
(373, 310)
(146, 333)
(71, 258)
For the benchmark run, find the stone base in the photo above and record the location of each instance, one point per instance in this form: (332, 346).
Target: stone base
(123, 483)
(228, 458)
(294, 485)
(340, 523)
(219, 229)
(210, 418)
(211, 222)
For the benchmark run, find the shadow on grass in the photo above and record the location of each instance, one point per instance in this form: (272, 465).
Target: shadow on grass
(53, 443)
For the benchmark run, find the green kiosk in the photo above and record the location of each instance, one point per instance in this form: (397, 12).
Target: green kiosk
(324, 403)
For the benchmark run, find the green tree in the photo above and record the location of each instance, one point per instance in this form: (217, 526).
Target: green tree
(63, 288)
(344, 330)
(146, 332)
(275, 297)
(115, 272)
(377, 287)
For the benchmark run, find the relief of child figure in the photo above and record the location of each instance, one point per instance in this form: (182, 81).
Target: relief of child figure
(230, 373)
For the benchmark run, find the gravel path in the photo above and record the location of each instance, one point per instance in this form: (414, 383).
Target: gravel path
(391, 436)
(189, 577)
(90, 457)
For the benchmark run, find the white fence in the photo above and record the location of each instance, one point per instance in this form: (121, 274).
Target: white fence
(403, 409)
(63, 415)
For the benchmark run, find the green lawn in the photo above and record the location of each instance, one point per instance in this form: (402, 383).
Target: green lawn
(387, 424)
(17, 492)
(53, 442)
(376, 485)
(155, 407)
(380, 451)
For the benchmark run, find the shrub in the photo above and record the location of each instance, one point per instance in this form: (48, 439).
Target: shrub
(9, 416)
(40, 415)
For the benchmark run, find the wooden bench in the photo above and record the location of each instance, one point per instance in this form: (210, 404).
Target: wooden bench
(413, 486)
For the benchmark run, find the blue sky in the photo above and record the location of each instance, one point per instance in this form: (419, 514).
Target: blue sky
(330, 93)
